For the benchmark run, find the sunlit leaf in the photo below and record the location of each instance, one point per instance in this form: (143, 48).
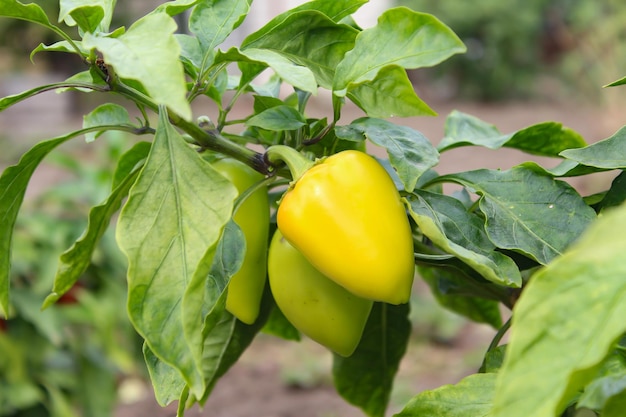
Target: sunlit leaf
(402, 37)
(213, 21)
(175, 212)
(105, 114)
(471, 397)
(390, 94)
(576, 301)
(149, 53)
(308, 38)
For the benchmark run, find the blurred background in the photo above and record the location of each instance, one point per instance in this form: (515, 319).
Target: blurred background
(528, 61)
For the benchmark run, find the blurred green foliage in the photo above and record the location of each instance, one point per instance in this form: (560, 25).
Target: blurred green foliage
(529, 48)
(69, 359)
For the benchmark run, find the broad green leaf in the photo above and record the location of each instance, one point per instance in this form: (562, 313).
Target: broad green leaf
(609, 153)
(191, 53)
(402, 37)
(13, 183)
(278, 118)
(545, 139)
(476, 309)
(31, 12)
(567, 168)
(390, 94)
(526, 211)
(296, 75)
(167, 382)
(308, 38)
(471, 397)
(567, 320)
(105, 114)
(365, 379)
(89, 15)
(149, 53)
(175, 7)
(212, 21)
(410, 153)
(175, 212)
(74, 261)
(447, 223)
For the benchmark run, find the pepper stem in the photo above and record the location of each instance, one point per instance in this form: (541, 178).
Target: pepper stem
(297, 163)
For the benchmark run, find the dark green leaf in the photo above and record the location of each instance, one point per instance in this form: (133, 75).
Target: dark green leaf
(476, 309)
(545, 139)
(494, 359)
(308, 38)
(175, 212)
(446, 222)
(599, 391)
(526, 211)
(472, 397)
(148, 53)
(608, 153)
(402, 37)
(410, 153)
(616, 195)
(278, 325)
(278, 118)
(615, 83)
(365, 379)
(576, 301)
(389, 94)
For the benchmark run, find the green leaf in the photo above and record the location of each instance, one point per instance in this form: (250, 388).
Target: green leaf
(365, 379)
(31, 12)
(90, 15)
(61, 46)
(74, 261)
(608, 153)
(105, 114)
(410, 153)
(308, 38)
(278, 118)
(526, 211)
(390, 94)
(616, 195)
(129, 161)
(175, 7)
(545, 139)
(212, 21)
(13, 183)
(167, 382)
(447, 223)
(471, 397)
(175, 212)
(600, 391)
(8, 101)
(149, 53)
(402, 37)
(567, 320)
(278, 325)
(615, 83)
(296, 75)
(476, 309)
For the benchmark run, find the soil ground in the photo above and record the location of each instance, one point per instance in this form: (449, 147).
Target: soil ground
(275, 378)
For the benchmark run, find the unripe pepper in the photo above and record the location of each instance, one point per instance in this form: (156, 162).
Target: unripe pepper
(317, 306)
(245, 289)
(345, 215)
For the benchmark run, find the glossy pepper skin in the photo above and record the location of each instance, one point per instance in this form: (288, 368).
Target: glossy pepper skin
(346, 217)
(313, 303)
(246, 286)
